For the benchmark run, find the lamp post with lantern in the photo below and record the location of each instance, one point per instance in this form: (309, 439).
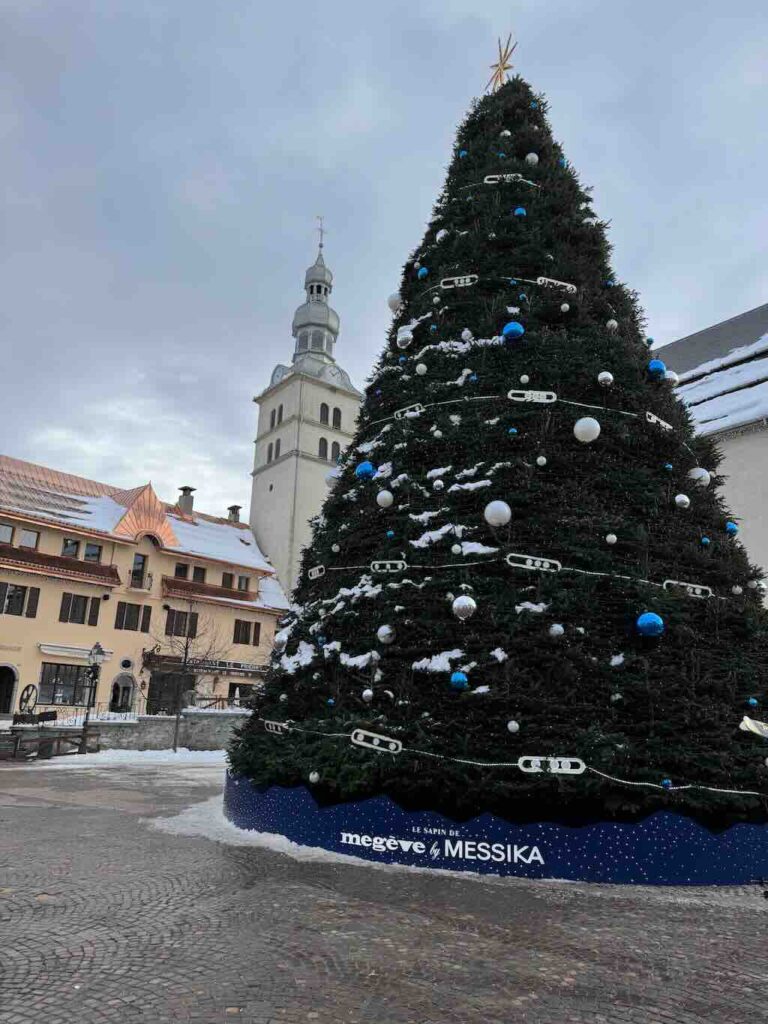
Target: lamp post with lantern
(96, 657)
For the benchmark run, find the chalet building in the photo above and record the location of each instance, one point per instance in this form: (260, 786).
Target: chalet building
(177, 599)
(723, 373)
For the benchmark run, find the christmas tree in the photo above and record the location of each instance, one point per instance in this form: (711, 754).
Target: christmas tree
(524, 551)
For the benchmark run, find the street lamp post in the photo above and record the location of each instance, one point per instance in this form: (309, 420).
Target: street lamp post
(96, 657)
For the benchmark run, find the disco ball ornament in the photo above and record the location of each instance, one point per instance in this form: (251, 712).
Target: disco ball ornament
(605, 378)
(394, 301)
(700, 476)
(513, 726)
(367, 696)
(532, 159)
(650, 624)
(556, 630)
(513, 330)
(421, 369)
(497, 513)
(459, 680)
(437, 485)
(682, 501)
(456, 549)
(671, 378)
(365, 470)
(404, 337)
(464, 607)
(441, 234)
(586, 429)
(656, 369)
(611, 538)
(612, 325)
(731, 529)
(385, 635)
(520, 211)
(402, 360)
(422, 273)
(384, 499)
(314, 777)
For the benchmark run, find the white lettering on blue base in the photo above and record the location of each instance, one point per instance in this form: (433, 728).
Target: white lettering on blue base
(456, 849)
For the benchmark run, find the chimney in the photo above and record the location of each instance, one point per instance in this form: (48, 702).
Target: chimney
(234, 513)
(186, 501)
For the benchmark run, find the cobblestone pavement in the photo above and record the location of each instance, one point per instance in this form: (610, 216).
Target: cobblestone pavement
(105, 919)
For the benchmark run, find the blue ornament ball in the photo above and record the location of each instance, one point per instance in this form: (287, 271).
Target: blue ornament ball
(705, 542)
(522, 297)
(666, 783)
(459, 680)
(462, 153)
(473, 378)
(731, 529)
(521, 211)
(650, 624)
(656, 368)
(423, 271)
(513, 330)
(377, 392)
(561, 162)
(752, 702)
(390, 534)
(668, 466)
(534, 105)
(365, 470)
(402, 359)
(330, 702)
(502, 156)
(512, 431)
(433, 329)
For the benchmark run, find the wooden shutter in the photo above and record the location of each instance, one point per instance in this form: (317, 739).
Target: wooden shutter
(256, 633)
(169, 622)
(120, 616)
(3, 592)
(66, 604)
(192, 632)
(32, 602)
(146, 615)
(93, 614)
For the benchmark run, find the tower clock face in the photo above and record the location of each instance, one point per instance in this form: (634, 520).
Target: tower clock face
(334, 372)
(278, 374)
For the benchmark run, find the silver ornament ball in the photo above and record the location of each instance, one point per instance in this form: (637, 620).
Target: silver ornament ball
(611, 538)
(513, 726)
(682, 501)
(384, 499)
(541, 460)
(605, 377)
(700, 476)
(497, 513)
(314, 777)
(367, 696)
(456, 549)
(612, 325)
(586, 429)
(464, 607)
(385, 634)
(532, 159)
(556, 630)
(421, 369)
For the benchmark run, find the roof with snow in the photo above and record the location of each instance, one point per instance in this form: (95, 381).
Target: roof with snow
(724, 372)
(61, 499)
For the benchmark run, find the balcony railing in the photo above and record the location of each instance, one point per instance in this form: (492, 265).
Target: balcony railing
(140, 580)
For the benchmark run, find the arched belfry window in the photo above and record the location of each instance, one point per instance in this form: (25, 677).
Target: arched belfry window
(269, 452)
(303, 341)
(280, 413)
(272, 420)
(277, 448)
(322, 448)
(324, 411)
(337, 418)
(335, 451)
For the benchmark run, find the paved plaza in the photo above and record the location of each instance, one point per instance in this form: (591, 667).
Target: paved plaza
(104, 918)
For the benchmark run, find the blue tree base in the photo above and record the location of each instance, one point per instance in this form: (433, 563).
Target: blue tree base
(663, 849)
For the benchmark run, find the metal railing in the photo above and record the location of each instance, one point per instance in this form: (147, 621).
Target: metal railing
(140, 580)
(103, 711)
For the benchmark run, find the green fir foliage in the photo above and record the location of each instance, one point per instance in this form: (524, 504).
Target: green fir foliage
(634, 708)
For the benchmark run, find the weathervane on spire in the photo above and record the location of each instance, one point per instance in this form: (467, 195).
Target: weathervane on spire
(502, 66)
(320, 229)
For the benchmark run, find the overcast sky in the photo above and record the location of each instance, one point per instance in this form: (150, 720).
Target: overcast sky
(163, 162)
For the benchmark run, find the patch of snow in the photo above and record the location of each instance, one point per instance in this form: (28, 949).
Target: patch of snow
(359, 660)
(481, 689)
(726, 380)
(616, 660)
(455, 419)
(106, 758)
(499, 654)
(424, 517)
(396, 481)
(493, 422)
(367, 446)
(459, 347)
(303, 657)
(383, 472)
(432, 536)
(440, 471)
(528, 606)
(438, 662)
(472, 486)
(469, 472)
(498, 465)
(732, 410)
(473, 547)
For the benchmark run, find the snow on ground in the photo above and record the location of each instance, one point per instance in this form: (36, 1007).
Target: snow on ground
(149, 757)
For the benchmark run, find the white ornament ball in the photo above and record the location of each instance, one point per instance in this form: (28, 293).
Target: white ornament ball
(283, 696)
(335, 549)
(753, 584)
(332, 477)
(417, 265)
(404, 337)
(611, 538)
(438, 434)
(564, 307)
(736, 589)
(513, 726)
(441, 234)
(532, 159)
(466, 334)
(505, 133)
(497, 513)
(524, 379)
(367, 696)
(586, 429)
(556, 630)
(605, 378)
(385, 634)
(541, 460)
(314, 777)
(436, 300)
(438, 485)
(612, 325)
(672, 377)
(682, 501)
(464, 607)
(384, 499)
(421, 369)
(394, 301)
(456, 549)
(700, 476)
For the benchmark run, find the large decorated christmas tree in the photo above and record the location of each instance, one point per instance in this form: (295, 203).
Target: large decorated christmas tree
(524, 554)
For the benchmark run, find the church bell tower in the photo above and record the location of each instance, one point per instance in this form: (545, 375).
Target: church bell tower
(307, 418)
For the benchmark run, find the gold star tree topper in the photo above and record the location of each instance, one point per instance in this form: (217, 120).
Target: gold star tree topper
(502, 66)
